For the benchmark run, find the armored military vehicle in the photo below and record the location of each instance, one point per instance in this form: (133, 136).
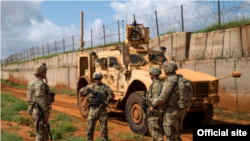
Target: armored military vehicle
(125, 70)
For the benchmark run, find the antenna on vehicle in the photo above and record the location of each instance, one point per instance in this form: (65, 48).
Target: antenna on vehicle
(81, 42)
(126, 14)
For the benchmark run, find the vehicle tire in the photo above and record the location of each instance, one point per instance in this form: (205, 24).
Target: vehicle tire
(83, 106)
(134, 113)
(201, 118)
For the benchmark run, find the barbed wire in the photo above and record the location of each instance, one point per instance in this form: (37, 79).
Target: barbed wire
(190, 17)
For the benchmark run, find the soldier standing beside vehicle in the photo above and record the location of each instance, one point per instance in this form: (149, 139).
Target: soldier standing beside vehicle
(97, 111)
(155, 120)
(173, 115)
(40, 99)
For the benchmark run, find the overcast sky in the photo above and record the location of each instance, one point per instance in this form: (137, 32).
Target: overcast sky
(26, 24)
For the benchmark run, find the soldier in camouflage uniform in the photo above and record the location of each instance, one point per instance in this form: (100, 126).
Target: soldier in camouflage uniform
(38, 93)
(155, 120)
(99, 111)
(172, 120)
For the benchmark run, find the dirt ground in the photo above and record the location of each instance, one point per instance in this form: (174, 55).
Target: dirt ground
(68, 105)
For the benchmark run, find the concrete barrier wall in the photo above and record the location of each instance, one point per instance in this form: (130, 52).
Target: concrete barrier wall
(206, 66)
(197, 46)
(167, 41)
(154, 44)
(232, 43)
(181, 45)
(214, 44)
(246, 40)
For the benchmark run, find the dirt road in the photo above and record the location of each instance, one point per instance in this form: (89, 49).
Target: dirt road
(68, 105)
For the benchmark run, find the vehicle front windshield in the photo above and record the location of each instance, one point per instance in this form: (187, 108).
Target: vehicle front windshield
(137, 59)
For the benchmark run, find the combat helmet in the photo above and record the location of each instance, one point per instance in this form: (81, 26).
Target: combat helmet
(155, 70)
(169, 66)
(97, 75)
(39, 69)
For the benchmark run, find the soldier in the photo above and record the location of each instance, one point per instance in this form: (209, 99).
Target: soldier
(155, 120)
(172, 120)
(40, 99)
(99, 111)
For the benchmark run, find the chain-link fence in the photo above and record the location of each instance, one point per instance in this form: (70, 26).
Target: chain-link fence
(201, 16)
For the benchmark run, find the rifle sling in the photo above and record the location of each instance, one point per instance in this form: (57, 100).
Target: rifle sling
(40, 110)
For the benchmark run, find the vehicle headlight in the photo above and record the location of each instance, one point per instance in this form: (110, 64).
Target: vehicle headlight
(212, 87)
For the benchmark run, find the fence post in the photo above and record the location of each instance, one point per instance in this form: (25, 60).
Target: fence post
(236, 87)
(219, 12)
(48, 47)
(43, 50)
(119, 31)
(33, 52)
(157, 28)
(21, 58)
(37, 51)
(73, 42)
(63, 45)
(123, 29)
(91, 39)
(27, 54)
(55, 47)
(182, 21)
(104, 34)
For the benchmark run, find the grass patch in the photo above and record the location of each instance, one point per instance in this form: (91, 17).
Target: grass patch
(63, 117)
(97, 127)
(32, 133)
(66, 91)
(224, 114)
(17, 127)
(220, 58)
(170, 31)
(100, 139)
(11, 84)
(200, 58)
(11, 106)
(10, 136)
(131, 136)
(62, 127)
(58, 129)
(75, 138)
(236, 22)
(110, 128)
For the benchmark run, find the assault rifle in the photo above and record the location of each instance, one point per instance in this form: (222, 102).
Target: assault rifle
(42, 120)
(144, 103)
(97, 96)
(151, 103)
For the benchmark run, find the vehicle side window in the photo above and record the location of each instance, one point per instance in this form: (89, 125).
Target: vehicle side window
(114, 61)
(103, 63)
(99, 61)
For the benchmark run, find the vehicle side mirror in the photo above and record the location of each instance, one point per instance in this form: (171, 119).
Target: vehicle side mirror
(236, 74)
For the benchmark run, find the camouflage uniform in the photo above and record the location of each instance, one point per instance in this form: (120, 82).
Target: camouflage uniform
(38, 92)
(99, 111)
(172, 120)
(155, 121)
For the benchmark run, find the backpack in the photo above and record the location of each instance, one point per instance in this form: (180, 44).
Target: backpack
(185, 89)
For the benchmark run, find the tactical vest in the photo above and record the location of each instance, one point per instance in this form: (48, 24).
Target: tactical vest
(31, 93)
(103, 90)
(153, 96)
